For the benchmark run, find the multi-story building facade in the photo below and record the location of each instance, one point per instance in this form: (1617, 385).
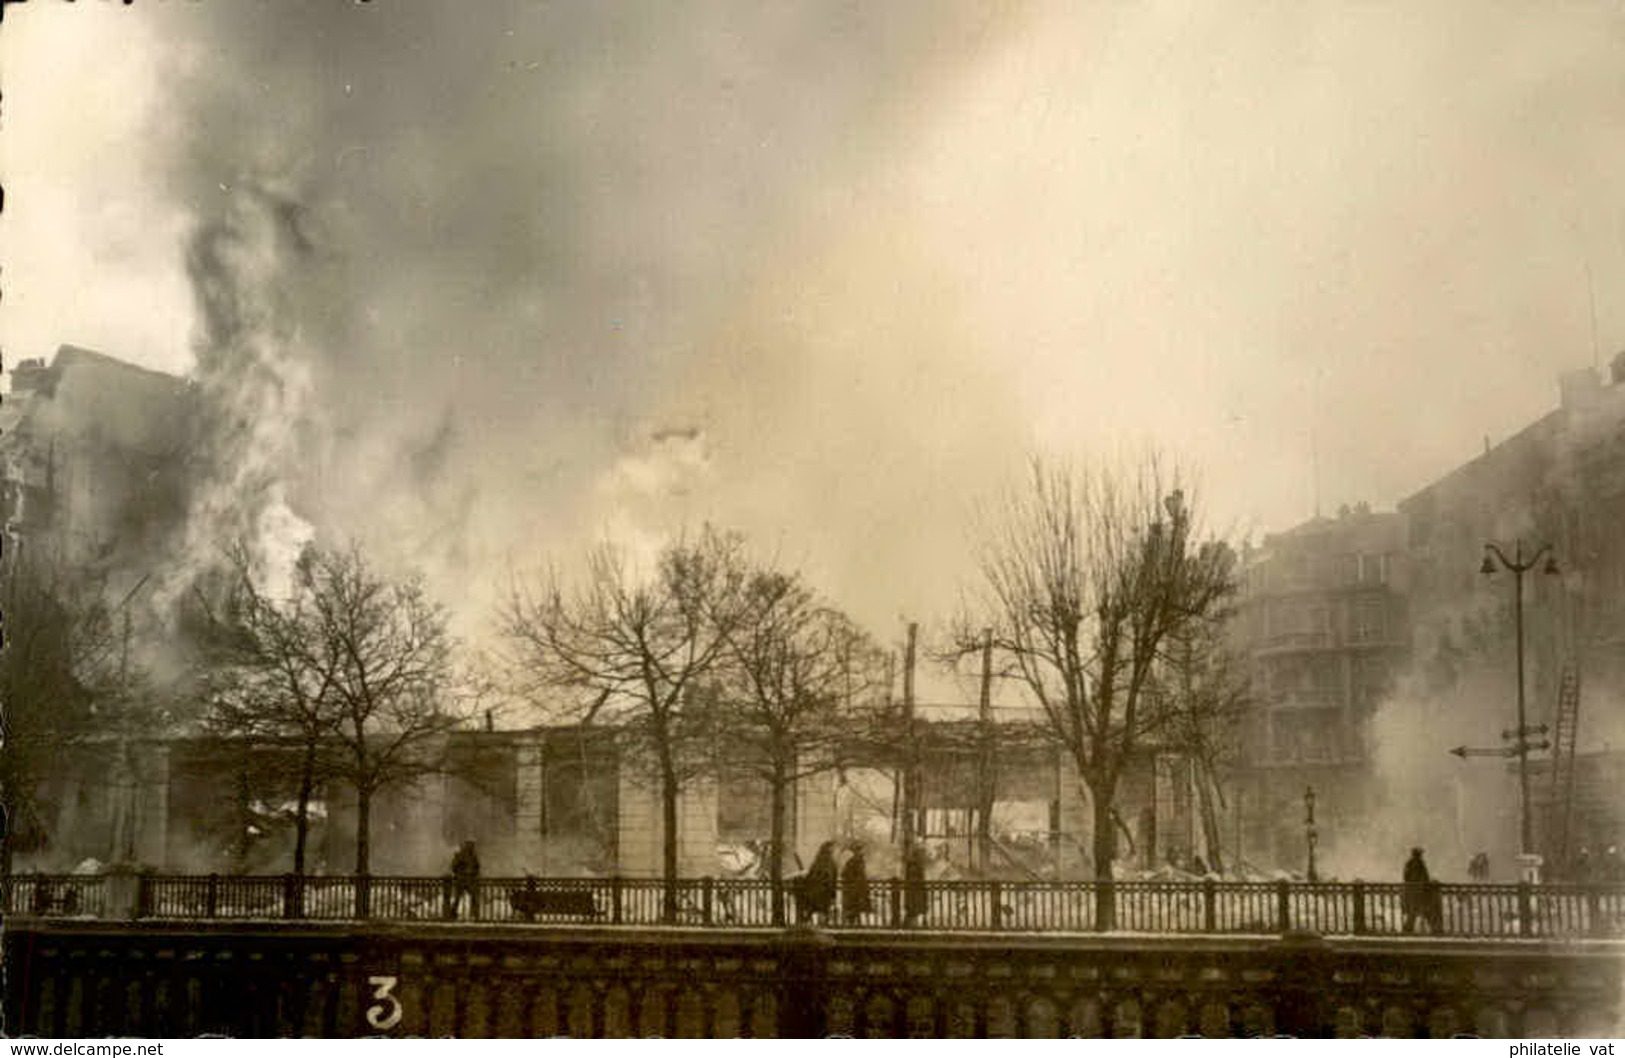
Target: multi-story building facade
(1323, 624)
(93, 457)
(1558, 483)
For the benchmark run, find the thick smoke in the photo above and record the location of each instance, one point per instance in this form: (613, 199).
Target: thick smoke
(253, 382)
(557, 235)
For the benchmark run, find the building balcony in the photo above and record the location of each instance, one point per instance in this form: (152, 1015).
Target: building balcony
(1287, 642)
(1298, 642)
(1304, 700)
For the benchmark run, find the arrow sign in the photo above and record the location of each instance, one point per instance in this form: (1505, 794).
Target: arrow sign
(1463, 752)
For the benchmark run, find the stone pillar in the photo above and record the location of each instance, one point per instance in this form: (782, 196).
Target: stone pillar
(639, 828)
(813, 819)
(150, 776)
(529, 848)
(697, 829)
(123, 893)
(1076, 822)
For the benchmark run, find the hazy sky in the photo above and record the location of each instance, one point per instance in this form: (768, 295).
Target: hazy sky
(828, 271)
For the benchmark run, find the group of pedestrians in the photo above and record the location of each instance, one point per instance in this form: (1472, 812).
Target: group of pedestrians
(840, 871)
(1607, 868)
(816, 891)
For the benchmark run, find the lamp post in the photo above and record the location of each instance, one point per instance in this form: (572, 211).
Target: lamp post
(1517, 566)
(1309, 829)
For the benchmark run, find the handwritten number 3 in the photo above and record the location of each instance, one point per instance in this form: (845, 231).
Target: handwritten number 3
(386, 1013)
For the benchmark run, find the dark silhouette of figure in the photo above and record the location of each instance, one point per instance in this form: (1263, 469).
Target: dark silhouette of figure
(915, 900)
(1612, 869)
(816, 893)
(855, 901)
(465, 876)
(1583, 872)
(1478, 868)
(1420, 899)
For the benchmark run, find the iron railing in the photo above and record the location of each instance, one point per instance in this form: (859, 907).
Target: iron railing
(1162, 907)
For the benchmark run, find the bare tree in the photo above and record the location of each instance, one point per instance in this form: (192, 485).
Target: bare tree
(1088, 580)
(796, 669)
(389, 674)
(633, 648)
(1209, 698)
(65, 676)
(273, 682)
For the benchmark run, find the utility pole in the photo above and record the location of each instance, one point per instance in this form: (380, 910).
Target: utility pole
(1521, 746)
(984, 758)
(911, 751)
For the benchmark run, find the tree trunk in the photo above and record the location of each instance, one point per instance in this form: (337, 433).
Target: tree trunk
(301, 818)
(8, 822)
(1104, 843)
(775, 849)
(1210, 823)
(668, 838)
(10, 819)
(363, 829)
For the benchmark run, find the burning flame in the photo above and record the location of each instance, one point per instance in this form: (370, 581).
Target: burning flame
(253, 377)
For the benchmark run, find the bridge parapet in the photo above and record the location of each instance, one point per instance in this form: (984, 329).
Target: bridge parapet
(272, 979)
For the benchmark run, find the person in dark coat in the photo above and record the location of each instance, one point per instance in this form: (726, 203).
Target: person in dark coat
(816, 893)
(915, 900)
(855, 902)
(465, 875)
(1420, 897)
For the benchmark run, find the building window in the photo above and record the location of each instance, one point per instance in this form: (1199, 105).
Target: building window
(1373, 569)
(1368, 621)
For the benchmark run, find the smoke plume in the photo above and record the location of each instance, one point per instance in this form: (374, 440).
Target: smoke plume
(253, 382)
(478, 297)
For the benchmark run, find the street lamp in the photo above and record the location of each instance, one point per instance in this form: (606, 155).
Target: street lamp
(1309, 829)
(1517, 566)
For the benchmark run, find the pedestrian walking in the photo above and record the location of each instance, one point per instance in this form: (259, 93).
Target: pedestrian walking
(1420, 897)
(855, 901)
(1583, 871)
(816, 893)
(465, 876)
(915, 900)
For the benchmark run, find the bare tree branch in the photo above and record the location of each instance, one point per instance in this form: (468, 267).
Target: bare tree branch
(1087, 579)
